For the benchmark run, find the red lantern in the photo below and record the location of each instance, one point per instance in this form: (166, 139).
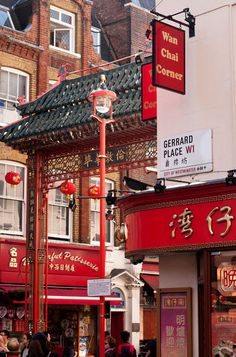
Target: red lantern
(94, 191)
(68, 188)
(13, 178)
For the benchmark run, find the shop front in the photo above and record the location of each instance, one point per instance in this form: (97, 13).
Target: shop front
(71, 313)
(193, 231)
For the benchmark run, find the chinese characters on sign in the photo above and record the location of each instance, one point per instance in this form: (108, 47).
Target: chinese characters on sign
(113, 156)
(226, 278)
(183, 221)
(174, 323)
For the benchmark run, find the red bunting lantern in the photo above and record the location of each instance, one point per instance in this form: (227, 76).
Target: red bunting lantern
(13, 178)
(68, 188)
(94, 191)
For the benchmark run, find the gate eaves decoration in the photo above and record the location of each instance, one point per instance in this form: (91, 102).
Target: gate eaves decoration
(61, 140)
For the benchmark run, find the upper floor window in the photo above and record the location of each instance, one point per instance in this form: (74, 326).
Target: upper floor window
(96, 33)
(5, 18)
(95, 215)
(59, 215)
(13, 84)
(62, 29)
(12, 200)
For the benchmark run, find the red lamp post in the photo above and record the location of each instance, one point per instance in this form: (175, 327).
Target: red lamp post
(102, 99)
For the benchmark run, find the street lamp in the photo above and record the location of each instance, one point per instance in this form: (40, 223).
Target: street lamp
(102, 99)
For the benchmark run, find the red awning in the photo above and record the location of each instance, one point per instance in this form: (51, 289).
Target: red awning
(151, 280)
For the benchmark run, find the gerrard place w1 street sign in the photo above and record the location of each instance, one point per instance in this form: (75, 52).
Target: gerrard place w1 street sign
(168, 57)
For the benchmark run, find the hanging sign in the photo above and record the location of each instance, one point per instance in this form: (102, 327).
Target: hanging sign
(168, 57)
(149, 93)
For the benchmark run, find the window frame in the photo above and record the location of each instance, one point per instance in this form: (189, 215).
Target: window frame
(60, 237)
(16, 164)
(69, 27)
(5, 9)
(5, 110)
(95, 180)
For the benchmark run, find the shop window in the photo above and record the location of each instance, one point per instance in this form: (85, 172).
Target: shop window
(95, 215)
(12, 200)
(62, 29)
(223, 303)
(13, 84)
(96, 33)
(59, 215)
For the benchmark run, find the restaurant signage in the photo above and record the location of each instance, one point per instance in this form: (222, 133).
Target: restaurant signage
(149, 93)
(168, 57)
(63, 262)
(185, 218)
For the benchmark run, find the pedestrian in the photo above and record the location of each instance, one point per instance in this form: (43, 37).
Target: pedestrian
(39, 344)
(25, 345)
(110, 345)
(5, 334)
(151, 348)
(126, 349)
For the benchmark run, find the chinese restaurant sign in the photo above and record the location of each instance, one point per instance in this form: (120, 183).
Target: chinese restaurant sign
(175, 325)
(186, 223)
(149, 93)
(168, 57)
(185, 154)
(62, 262)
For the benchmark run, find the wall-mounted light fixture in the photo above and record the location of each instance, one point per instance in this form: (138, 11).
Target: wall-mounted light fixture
(231, 179)
(160, 185)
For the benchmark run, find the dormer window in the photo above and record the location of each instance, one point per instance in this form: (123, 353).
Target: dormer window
(62, 29)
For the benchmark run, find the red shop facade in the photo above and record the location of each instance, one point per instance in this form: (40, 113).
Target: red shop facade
(71, 312)
(193, 231)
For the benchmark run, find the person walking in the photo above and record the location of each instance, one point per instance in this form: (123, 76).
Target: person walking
(125, 348)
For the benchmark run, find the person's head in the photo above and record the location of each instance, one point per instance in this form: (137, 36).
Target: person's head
(125, 335)
(111, 341)
(26, 339)
(5, 334)
(39, 336)
(48, 336)
(35, 349)
(13, 344)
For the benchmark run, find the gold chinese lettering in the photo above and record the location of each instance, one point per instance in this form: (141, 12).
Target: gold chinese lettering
(227, 218)
(184, 220)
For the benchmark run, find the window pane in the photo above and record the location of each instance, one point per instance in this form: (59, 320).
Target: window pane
(10, 215)
(63, 39)
(54, 14)
(4, 19)
(223, 301)
(66, 18)
(13, 80)
(58, 220)
(3, 84)
(22, 86)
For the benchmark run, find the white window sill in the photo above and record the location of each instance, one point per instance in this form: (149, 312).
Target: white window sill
(78, 55)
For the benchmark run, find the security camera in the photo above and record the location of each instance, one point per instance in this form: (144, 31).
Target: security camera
(136, 259)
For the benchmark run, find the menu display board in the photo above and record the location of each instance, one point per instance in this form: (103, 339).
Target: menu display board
(175, 324)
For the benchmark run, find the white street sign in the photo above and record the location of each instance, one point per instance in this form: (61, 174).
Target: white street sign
(185, 154)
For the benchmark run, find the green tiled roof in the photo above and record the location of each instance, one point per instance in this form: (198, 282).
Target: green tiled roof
(66, 106)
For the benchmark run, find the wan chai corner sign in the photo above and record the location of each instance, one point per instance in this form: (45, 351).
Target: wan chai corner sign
(168, 57)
